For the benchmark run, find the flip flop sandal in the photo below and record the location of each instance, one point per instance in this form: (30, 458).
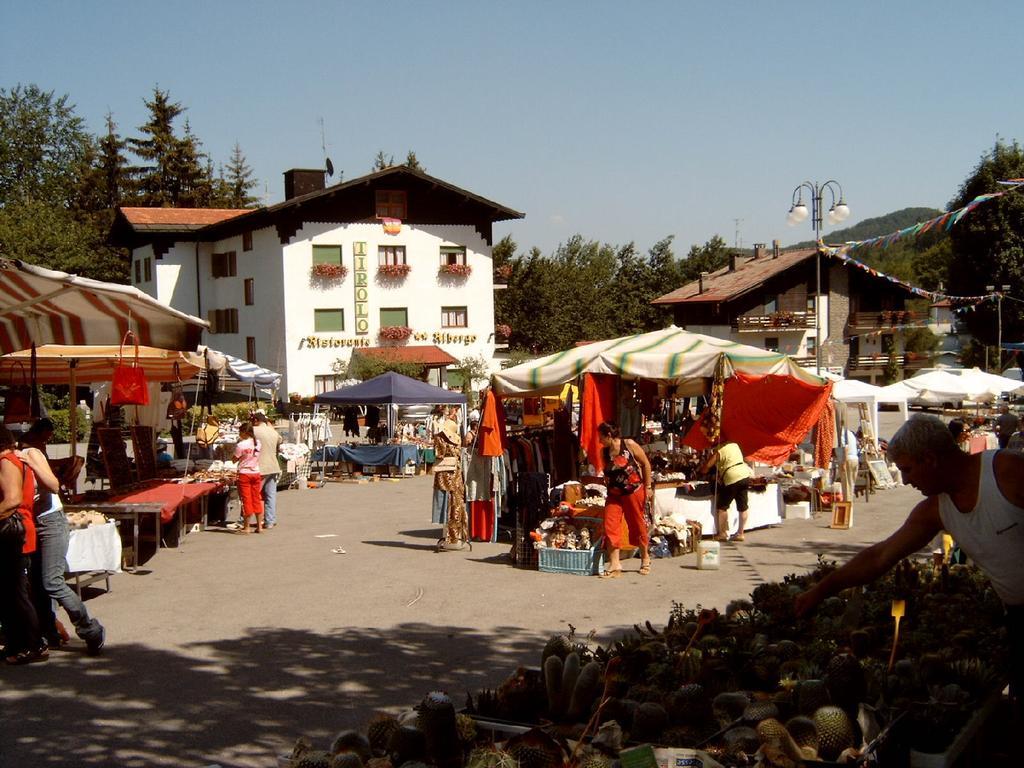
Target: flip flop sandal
(645, 569)
(338, 551)
(616, 574)
(739, 537)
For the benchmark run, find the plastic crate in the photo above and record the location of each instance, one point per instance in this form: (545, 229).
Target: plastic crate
(581, 562)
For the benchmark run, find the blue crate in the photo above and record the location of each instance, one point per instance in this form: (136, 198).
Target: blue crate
(580, 562)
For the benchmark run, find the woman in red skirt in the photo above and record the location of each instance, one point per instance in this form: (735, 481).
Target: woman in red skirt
(629, 485)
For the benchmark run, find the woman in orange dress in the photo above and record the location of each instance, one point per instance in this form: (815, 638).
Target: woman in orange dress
(629, 486)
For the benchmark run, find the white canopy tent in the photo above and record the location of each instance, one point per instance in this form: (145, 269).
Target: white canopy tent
(939, 387)
(853, 391)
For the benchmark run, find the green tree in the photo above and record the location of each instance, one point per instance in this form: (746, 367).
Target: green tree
(365, 367)
(240, 181)
(473, 371)
(44, 147)
(413, 162)
(665, 275)
(382, 161)
(632, 282)
(173, 172)
(988, 244)
(714, 254)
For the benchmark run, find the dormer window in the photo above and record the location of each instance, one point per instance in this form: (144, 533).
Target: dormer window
(391, 204)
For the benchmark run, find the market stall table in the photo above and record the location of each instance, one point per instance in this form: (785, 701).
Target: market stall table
(132, 512)
(398, 455)
(765, 508)
(93, 554)
(173, 498)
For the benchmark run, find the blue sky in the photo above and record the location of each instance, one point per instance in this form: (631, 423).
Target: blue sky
(618, 121)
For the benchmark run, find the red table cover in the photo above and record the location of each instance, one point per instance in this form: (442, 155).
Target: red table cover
(169, 495)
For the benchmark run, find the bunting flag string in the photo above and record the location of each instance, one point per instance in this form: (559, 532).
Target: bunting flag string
(960, 302)
(943, 221)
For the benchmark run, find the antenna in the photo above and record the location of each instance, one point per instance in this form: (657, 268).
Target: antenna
(737, 241)
(328, 165)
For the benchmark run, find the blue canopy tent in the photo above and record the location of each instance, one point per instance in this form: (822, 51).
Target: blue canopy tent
(392, 389)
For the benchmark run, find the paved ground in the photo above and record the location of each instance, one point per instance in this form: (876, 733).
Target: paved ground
(228, 648)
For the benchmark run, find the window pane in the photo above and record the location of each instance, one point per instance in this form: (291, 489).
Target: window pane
(327, 254)
(391, 254)
(250, 349)
(394, 316)
(453, 317)
(328, 320)
(147, 269)
(250, 291)
(453, 254)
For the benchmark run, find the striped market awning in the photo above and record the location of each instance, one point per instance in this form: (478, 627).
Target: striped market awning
(43, 306)
(670, 355)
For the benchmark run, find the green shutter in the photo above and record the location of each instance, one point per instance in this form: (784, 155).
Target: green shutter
(328, 320)
(327, 254)
(390, 317)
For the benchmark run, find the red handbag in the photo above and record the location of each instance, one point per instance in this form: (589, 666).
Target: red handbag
(129, 386)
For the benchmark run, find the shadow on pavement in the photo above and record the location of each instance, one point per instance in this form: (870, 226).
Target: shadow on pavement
(242, 701)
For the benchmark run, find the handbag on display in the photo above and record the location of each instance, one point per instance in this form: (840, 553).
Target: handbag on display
(18, 401)
(177, 408)
(129, 386)
(208, 432)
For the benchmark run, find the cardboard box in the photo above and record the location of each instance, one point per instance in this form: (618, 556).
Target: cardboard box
(801, 510)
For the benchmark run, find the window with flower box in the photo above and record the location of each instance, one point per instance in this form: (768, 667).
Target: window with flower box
(453, 317)
(327, 254)
(390, 254)
(391, 204)
(453, 254)
(328, 320)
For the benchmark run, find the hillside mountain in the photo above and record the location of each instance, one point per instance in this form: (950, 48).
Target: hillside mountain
(879, 225)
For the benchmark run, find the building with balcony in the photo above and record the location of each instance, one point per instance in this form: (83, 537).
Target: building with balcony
(394, 260)
(769, 300)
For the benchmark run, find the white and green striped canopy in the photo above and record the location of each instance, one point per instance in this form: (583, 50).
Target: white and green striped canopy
(670, 356)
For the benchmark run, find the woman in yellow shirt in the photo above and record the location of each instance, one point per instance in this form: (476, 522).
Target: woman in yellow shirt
(733, 479)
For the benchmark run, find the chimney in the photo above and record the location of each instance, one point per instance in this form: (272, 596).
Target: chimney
(760, 250)
(302, 181)
(732, 261)
(775, 249)
(700, 281)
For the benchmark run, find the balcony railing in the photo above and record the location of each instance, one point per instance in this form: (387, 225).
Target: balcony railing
(887, 318)
(909, 361)
(775, 321)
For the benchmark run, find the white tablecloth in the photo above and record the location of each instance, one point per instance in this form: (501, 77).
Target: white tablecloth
(96, 548)
(764, 509)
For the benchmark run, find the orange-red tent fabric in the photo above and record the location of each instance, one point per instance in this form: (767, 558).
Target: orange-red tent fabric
(492, 427)
(600, 403)
(766, 415)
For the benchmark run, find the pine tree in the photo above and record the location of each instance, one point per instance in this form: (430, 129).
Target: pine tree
(191, 172)
(157, 147)
(413, 162)
(239, 181)
(382, 161)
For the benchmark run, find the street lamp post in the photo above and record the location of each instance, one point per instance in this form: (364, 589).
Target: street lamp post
(999, 324)
(838, 211)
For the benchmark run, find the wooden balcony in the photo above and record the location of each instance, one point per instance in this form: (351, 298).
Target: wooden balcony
(908, 362)
(774, 322)
(887, 319)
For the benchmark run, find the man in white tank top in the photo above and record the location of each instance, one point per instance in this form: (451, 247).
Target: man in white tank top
(978, 498)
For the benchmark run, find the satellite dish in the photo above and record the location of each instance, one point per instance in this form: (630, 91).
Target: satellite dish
(330, 167)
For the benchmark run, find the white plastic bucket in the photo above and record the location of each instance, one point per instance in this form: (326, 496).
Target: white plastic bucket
(708, 555)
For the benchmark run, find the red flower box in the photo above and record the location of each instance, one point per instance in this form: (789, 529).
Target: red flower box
(393, 270)
(461, 270)
(329, 271)
(395, 332)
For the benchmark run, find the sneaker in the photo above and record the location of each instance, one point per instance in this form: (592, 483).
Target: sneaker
(94, 643)
(268, 526)
(42, 653)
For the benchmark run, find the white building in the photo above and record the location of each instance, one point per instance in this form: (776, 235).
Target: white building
(393, 263)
